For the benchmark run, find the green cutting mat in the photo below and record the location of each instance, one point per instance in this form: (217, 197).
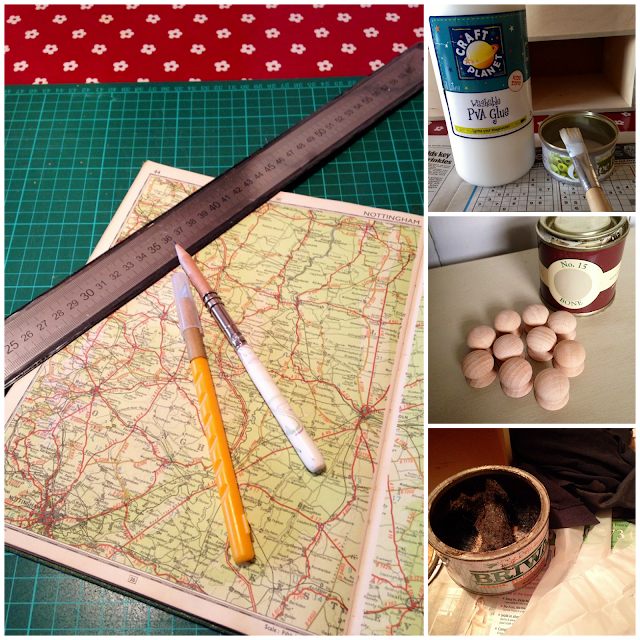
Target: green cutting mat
(71, 154)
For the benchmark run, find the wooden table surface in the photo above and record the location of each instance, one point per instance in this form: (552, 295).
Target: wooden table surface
(464, 295)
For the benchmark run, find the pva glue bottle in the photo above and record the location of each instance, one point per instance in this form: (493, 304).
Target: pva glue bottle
(480, 55)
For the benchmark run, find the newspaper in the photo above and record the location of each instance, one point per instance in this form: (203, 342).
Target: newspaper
(535, 191)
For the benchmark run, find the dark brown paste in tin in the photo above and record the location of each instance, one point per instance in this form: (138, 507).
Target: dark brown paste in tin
(497, 521)
(490, 512)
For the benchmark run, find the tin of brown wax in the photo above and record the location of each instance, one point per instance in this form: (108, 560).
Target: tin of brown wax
(502, 570)
(580, 260)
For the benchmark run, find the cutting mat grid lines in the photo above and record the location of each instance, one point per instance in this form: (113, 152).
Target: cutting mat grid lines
(72, 152)
(42, 601)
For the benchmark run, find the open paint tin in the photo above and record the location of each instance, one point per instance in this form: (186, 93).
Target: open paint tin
(599, 133)
(452, 531)
(580, 260)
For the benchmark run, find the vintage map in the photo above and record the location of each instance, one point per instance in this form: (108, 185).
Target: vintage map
(395, 599)
(106, 468)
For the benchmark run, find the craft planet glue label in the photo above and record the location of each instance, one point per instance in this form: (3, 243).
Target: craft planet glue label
(485, 85)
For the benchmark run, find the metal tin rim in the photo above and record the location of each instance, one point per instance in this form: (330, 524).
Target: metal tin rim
(596, 116)
(622, 224)
(539, 526)
(545, 224)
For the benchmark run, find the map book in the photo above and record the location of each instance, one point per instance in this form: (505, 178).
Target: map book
(106, 467)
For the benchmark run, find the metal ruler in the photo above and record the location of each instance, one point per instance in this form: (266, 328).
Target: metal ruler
(54, 319)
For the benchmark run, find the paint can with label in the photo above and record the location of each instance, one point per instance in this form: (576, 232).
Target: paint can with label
(454, 536)
(580, 260)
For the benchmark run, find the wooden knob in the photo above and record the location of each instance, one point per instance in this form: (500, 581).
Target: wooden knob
(535, 315)
(540, 343)
(477, 368)
(569, 357)
(508, 321)
(481, 337)
(515, 377)
(563, 324)
(508, 346)
(551, 389)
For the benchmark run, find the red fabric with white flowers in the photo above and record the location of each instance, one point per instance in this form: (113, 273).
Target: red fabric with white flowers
(160, 43)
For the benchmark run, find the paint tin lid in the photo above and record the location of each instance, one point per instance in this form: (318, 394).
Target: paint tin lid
(582, 232)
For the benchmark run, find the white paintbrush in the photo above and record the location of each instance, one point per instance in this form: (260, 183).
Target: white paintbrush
(576, 148)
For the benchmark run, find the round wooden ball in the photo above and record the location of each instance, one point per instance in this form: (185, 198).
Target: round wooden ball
(551, 389)
(481, 337)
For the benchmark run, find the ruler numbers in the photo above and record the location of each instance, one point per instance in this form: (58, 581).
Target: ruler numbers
(63, 313)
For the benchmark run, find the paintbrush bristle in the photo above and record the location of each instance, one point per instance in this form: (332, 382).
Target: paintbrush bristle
(573, 140)
(572, 134)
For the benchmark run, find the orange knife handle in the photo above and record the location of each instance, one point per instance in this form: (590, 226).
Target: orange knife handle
(230, 500)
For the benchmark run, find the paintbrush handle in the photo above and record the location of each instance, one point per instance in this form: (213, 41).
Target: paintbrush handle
(598, 200)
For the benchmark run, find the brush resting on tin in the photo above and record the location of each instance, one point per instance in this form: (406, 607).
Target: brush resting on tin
(572, 138)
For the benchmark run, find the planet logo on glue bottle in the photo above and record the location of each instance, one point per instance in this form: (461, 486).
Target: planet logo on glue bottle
(480, 54)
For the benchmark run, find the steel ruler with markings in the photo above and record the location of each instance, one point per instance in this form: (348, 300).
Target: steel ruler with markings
(54, 319)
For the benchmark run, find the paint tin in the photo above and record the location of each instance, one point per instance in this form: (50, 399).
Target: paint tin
(580, 260)
(599, 134)
(489, 572)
